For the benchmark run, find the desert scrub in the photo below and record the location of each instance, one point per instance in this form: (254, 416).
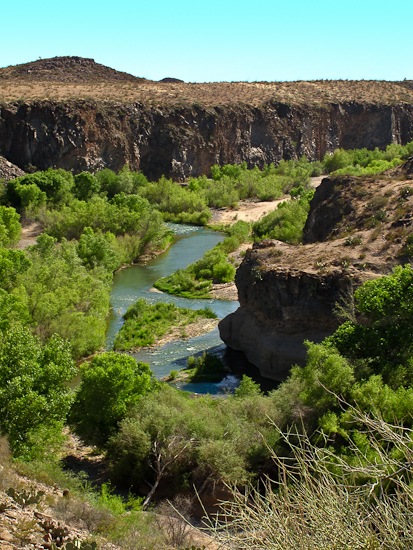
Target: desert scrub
(146, 323)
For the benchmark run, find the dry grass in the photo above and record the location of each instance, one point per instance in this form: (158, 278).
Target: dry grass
(316, 93)
(317, 503)
(69, 78)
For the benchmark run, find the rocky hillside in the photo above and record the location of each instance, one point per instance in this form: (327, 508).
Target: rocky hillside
(76, 114)
(357, 228)
(8, 170)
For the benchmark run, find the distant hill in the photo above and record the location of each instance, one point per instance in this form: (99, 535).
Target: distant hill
(171, 80)
(65, 69)
(61, 78)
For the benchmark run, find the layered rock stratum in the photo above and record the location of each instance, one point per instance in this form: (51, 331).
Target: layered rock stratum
(76, 114)
(357, 229)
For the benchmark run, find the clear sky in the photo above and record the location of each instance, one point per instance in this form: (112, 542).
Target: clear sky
(218, 40)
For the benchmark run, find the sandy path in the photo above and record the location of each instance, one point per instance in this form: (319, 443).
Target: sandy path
(29, 235)
(250, 211)
(247, 211)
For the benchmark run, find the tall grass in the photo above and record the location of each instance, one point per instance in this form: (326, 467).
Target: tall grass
(363, 500)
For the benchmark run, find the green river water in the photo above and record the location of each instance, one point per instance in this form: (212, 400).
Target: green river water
(137, 282)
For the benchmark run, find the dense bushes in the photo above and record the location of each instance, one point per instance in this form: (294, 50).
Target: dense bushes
(166, 439)
(365, 162)
(286, 223)
(177, 204)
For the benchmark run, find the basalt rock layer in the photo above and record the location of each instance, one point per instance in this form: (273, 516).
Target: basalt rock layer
(357, 229)
(279, 309)
(186, 141)
(76, 114)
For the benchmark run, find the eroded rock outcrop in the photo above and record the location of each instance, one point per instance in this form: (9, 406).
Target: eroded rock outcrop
(280, 308)
(8, 170)
(357, 229)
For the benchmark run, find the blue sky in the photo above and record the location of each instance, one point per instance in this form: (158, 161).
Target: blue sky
(218, 40)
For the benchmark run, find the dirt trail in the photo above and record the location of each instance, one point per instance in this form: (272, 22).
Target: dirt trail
(30, 232)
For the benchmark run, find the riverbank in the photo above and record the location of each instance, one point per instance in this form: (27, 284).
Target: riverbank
(247, 211)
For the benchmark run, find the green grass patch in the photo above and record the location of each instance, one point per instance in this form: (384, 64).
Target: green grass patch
(146, 323)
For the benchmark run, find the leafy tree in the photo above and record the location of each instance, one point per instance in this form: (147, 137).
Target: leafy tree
(96, 249)
(64, 297)
(10, 228)
(13, 308)
(24, 198)
(34, 396)
(56, 184)
(12, 264)
(123, 182)
(85, 186)
(111, 384)
(380, 341)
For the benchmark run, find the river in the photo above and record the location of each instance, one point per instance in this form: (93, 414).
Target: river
(136, 282)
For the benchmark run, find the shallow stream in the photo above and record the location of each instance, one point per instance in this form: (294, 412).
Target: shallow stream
(136, 282)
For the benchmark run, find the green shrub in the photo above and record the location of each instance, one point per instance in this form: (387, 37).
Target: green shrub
(365, 162)
(10, 228)
(111, 384)
(286, 223)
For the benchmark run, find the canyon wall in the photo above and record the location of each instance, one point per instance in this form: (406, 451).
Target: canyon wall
(186, 141)
(289, 294)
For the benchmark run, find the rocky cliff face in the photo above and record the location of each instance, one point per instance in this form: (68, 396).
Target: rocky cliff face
(73, 113)
(279, 309)
(357, 229)
(186, 141)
